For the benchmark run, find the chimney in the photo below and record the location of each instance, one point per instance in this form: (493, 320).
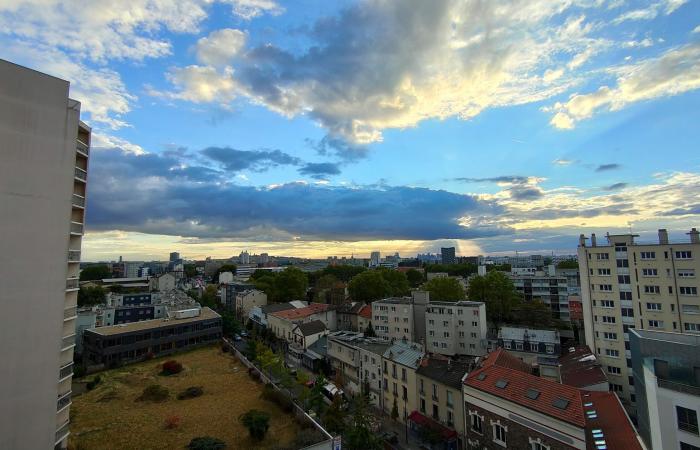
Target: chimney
(694, 236)
(582, 240)
(593, 240)
(663, 236)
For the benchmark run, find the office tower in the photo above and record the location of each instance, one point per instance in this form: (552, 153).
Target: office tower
(448, 255)
(624, 285)
(374, 259)
(43, 174)
(174, 256)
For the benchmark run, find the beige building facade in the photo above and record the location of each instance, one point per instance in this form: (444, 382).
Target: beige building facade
(43, 174)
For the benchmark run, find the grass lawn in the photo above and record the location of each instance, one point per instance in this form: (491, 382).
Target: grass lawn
(109, 417)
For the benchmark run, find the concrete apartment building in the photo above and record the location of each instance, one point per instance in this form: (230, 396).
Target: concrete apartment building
(528, 344)
(666, 369)
(627, 284)
(546, 286)
(399, 364)
(447, 255)
(43, 174)
(401, 317)
(456, 328)
(246, 300)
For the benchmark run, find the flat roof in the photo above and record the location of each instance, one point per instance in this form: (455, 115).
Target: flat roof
(206, 313)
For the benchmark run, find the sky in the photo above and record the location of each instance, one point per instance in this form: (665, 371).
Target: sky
(315, 128)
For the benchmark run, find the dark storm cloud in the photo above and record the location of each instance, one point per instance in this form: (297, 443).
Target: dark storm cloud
(616, 186)
(607, 167)
(124, 196)
(320, 170)
(254, 160)
(341, 148)
(695, 209)
(525, 192)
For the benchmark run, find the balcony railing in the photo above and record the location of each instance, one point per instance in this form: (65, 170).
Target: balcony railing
(79, 201)
(69, 313)
(62, 432)
(679, 387)
(74, 255)
(68, 342)
(65, 371)
(72, 283)
(80, 174)
(82, 147)
(63, 401)
(76, 227)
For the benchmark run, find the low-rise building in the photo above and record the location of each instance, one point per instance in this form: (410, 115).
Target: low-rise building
(528, 343)
(401, 317)
(399, 364)
(113, 345)
(229, 291)
(246, 300)
(358, 361)
(364, 318)
(283, 322)
(163, 282)
(371, 351)
(507, 407)
(456, 328)
(258, 314)
(347, 316)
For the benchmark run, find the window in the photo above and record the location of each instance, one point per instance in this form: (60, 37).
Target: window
(405, 392)
(616, 387)
(625, 296)
(656, 324)
(690, 309)
(612, 353)
(623, 279)
(688, 290)
(446, 334)
(518, 345)
(651, 290)
(422, 405)
(393, 370)
(654, 306)
(550, 349)
(461, 323)
(627, 312)
(685, 446)
(686, 273)
(477, 422)
(606, 287)
(436, 412)
(499, 434)
(692, 327)
(602, 256)
(623, 263)
(650, 272)
(475, 324)
(607, 304)
(610, 336)
(614, 370)
(536, 444)
(403, 374)
(647, 255)
(395, 389)
(506, 345)
(684, 255)
(386, 384)
(461, 334)
(687, 419)
(431, 333)
(608, 319)
(449, 399)
(431, 322)
(604, 272)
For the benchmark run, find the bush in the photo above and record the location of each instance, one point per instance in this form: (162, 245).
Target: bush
(271, 394)
(206, 443)
(171, 367)
(172, 422)
(93, 383)
(190, 392)
(254, 373)
(257, 422)
(154, 393)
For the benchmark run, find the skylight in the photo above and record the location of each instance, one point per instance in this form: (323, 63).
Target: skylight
(532, 394)
(561, 403)
(501, 384)
(481, 376)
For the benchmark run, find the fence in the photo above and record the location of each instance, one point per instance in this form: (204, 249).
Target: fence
(327, 444)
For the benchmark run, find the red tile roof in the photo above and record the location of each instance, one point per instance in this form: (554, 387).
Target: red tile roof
(301, 313)
(580, 368)
(425, 421)
(366, 312)
(612, 421)
(502, 358)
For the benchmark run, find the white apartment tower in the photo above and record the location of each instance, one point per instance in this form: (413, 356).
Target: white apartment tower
(44, 152)
(627, 284)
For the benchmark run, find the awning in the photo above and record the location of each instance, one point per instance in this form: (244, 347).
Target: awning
(424, 421)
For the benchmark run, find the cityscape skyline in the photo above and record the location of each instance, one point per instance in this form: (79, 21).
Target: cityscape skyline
(314, 129)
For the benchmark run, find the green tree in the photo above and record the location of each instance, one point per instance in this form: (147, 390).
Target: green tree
(210, 296)
(536, 314)
(266, 282)
(322, 285)
(190, 270)
(369, 286)
(291, 284)
(95, 272)
(568, 264)
(445, 290)
(358, 435)
(415, 278)
(229, 324)
(344, 272)
(315, 401)
(497, 291)
(88, 296)
(397, 282)
(225, 268)
(334, 417)
(194, 293)
(369, 331)
(257, 422)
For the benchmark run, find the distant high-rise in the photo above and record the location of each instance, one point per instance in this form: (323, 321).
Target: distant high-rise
(374, 259)
(244, 257)
(174, 256)
(43, 174)
(448, 255)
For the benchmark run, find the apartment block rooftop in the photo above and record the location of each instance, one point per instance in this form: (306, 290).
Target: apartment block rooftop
(629, 239)
(204, 314)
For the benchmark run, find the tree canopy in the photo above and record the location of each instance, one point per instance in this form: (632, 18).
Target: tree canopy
(369, 286)
(498, 292)
(445, 290)
(210, 296)
(414, 277)
(454, 270)
(257, 422)
(568, 264)
(285, 286)
(95, 272)
(190, 270)
(88, 296)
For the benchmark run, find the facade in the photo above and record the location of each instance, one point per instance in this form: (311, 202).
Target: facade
(401, 317)
(282, 323)
(135, 341)
(666, 369)
(307, 333)
(247, 300)
(259, 314)
(347, 316)
(399, 364)
(163, 282)
(573, 280)
(448, 255)
(371, 351)
(626, 285)
(364, 318)
(550, 289)
(229, 291)
(43, 177)
(527, 344)
(507, 407)
(456, 328)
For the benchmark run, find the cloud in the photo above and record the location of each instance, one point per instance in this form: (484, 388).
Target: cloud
(196, 203)
(674, 72)
(219, 48)
(255, 160)
(319, 170)
(507, 179)
(200, 84)
(607, 167)
(249, 9)
(650, 12)
(380, 65)
(616, 186)
(563, 162)
(341, 148)
(516, 187)
(696, 29)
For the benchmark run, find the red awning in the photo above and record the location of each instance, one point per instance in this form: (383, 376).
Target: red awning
(420, 419)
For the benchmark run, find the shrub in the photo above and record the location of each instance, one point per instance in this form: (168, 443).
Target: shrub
(171, 367)
(172, 422)
(271, 394)
(154, 393)
(206, 443)
(257, 422)
(254, 373)
(190, 392)
(94, 382)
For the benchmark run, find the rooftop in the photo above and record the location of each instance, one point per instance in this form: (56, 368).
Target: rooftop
(301, 313)
(467, 303)
(313, 327)
(405, 353)
(580, 368)
(528, 334)
(204, 314)
(395, 300)
(276, 307)
(365, 312)
(606, 420)
(445, 371)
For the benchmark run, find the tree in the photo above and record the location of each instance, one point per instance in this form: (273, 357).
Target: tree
(315, 400)
(88, 296)
(369, 286)
(225, 268)
(229, 324)
(358, 435)
(334, 417)
(257, 422)
(397, 282)
(210, 296)
(344, 272)
(369, 331)
(497, 291)
(95, 272)
(536, 314)
(266, 282)
(291, 284)
(445, 290)
(395, 411)
(415, 278)
(190, 270)
(206, 443)
(568, 264)
(322, 285)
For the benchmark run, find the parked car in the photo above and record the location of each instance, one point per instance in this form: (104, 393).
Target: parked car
(236, 338)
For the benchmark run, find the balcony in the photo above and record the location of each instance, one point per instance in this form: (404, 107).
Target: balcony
(73, 256)
(679, 387)
(76, 228)
(68, 342)
(72, 284)
(80, 174)
(82, 147)
(70, 313)
(78, 201)
(65, 372)
(62, 432)
(63, 401)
